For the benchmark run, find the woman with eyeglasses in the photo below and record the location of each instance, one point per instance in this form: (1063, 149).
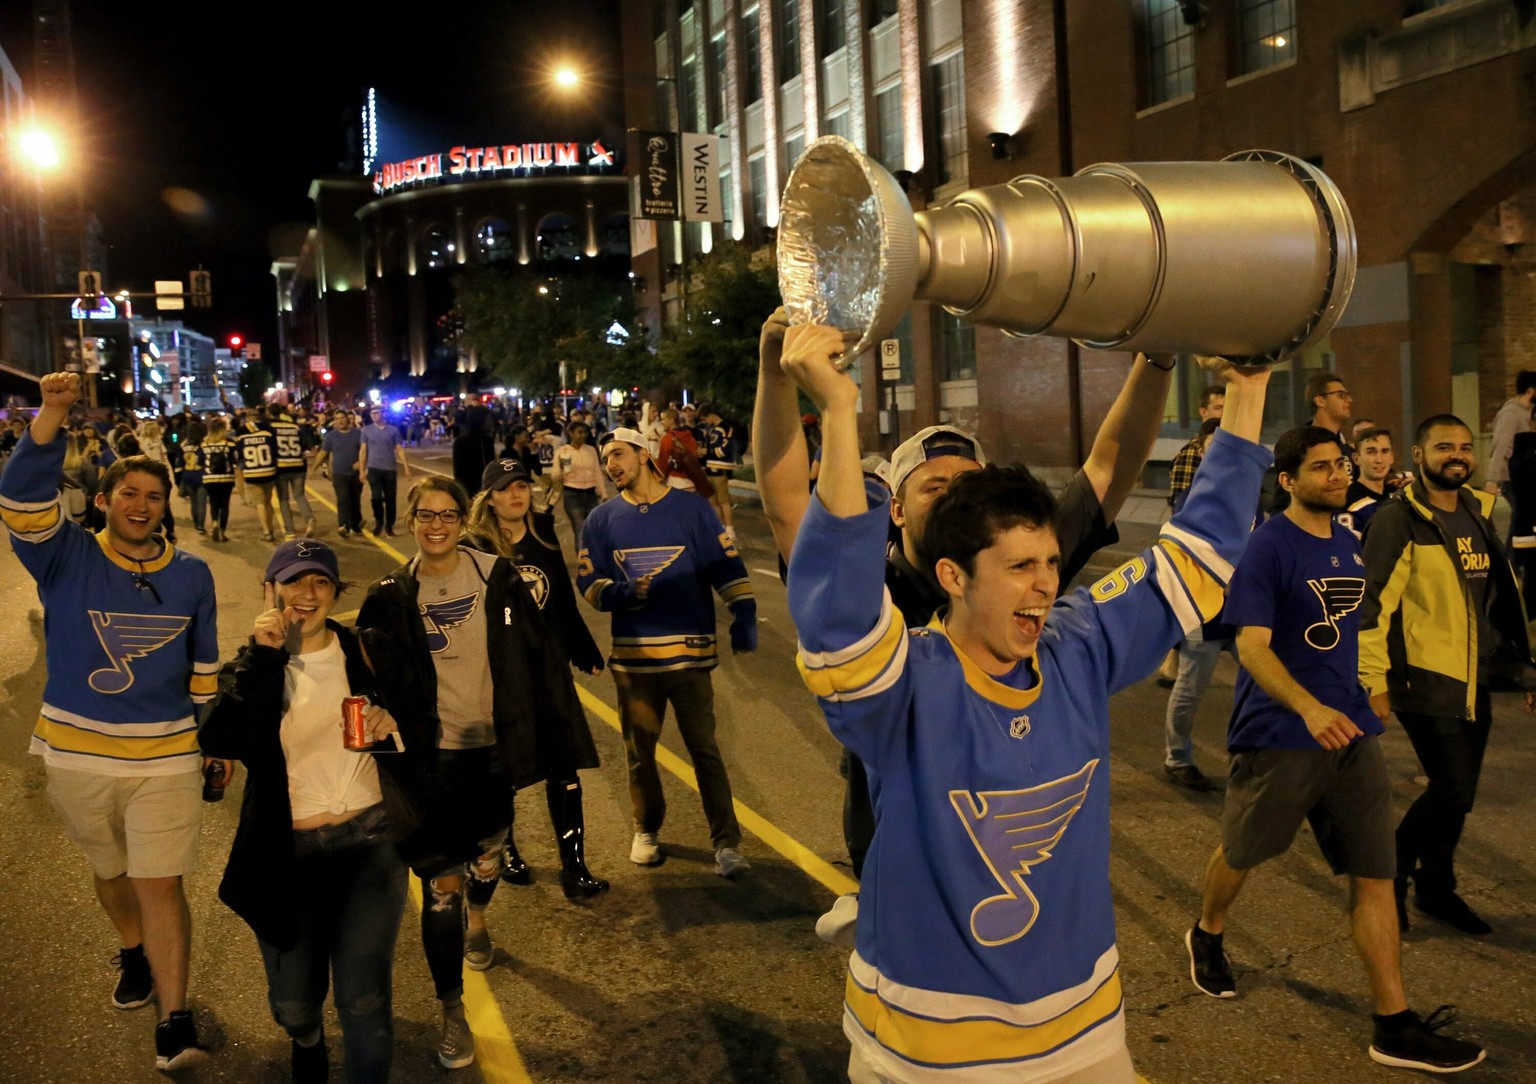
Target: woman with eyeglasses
(480, 690)
(313, 869)
(502, 521)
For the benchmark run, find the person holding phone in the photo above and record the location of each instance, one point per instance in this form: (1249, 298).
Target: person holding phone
(313, 869)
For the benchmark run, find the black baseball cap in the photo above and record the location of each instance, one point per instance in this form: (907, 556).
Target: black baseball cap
(500, 473)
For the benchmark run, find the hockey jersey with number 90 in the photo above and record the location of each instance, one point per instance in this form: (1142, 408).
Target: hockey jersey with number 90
(986, 934)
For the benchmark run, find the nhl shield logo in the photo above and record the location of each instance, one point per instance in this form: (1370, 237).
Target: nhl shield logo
(1018, 726)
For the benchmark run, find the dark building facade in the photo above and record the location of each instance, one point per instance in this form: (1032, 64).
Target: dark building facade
(1420, 111)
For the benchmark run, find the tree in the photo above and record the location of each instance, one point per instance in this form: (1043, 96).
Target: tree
(713, 350)
(255, 379)
(525, 320)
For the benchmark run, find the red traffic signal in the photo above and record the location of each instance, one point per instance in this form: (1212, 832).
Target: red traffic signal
(327, 377)
(235, 342)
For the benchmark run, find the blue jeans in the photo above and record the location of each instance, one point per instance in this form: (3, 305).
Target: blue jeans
(353, 890)
(290, 487)
(1197, 662)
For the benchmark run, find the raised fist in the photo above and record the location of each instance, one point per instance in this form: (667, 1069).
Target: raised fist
(60, 390)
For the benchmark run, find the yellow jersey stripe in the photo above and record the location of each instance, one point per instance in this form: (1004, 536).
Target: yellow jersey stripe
(854, 673)
(984, 684)
(1205, 590)
(946, 1043)
(25, 523)
(594, 592)
(203, 684)
(671, 651)
(68, 739)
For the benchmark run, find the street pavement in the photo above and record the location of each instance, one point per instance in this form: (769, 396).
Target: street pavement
(676, 975)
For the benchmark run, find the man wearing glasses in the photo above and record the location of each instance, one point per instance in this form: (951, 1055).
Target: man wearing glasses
(1331, 403)
(651, 559)
(132, 648)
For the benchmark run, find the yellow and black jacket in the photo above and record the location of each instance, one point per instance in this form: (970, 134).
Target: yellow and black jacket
(1418, 630)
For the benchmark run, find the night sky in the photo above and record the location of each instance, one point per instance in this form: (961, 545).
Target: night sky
(200, 140)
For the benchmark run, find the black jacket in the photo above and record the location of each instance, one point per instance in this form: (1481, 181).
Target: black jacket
(541, 730)
(261, 882)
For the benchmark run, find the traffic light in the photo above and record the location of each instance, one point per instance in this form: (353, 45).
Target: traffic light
(235, 342)
(327, 378)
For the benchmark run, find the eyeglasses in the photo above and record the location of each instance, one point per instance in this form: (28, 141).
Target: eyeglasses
(1340, 392)
(449, 516)
(144, 585)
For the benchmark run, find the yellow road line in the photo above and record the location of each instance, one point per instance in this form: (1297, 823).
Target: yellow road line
(495, 1050)
(760, 826)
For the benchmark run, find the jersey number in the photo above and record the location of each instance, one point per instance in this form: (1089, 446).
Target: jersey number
(288, 446)
(1119, 581)
(256, 455)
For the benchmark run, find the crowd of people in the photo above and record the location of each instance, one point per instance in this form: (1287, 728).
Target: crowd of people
(970, 689)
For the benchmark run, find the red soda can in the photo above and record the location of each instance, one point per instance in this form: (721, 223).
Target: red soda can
(354, 734)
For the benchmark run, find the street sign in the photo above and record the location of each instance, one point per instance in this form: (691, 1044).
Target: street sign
(90, 285)
(890, 359)
(319, 363)
(253, 351)
(168, 295)
(202, 289)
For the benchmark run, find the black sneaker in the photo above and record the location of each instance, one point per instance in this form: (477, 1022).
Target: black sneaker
(1403, 1041)
(309, 1064)
(1189, 777)
(1208, 967)
(135, 986)
(176, 1045)
(1453, 911)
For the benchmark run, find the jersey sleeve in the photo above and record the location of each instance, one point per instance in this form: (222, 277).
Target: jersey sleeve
(1134, 615)
(204, 680)
(726, 570)
(852, 641)
(599, 582)
(42, 536)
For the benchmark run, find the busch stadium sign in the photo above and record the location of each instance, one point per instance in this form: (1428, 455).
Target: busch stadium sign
(510, 159)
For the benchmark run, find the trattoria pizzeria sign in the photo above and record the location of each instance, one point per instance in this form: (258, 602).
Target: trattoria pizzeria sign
(512, 159)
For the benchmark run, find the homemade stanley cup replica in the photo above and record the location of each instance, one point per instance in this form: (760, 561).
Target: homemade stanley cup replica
(1251, 258)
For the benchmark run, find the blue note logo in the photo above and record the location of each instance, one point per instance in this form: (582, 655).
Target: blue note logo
(1340, 596)
(126, 637)
(1014, 830)
(647, 560)
(536, 582)
(440, 617)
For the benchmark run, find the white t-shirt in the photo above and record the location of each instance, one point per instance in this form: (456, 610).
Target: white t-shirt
(324, 776)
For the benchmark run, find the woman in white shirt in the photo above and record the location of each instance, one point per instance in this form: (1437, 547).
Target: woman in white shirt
(313, 869)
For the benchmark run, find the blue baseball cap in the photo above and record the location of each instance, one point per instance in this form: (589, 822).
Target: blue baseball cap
(294, 558)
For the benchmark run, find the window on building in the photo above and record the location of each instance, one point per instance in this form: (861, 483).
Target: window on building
(757, 174)
(902, 333)
(727, 194)
(688, 94)
(949, 109)
(840, 124)
(957, 346)
(890, 146)
(834, 26)
(1266, 32)
(789, 39)
(881, 10)
(794, 147)
(717, 64)
(752, 56)
(1170, 52)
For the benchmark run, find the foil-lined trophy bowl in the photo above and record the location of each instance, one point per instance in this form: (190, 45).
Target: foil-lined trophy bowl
(1251, 258)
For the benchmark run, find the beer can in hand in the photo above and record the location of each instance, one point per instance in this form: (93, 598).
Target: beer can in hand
(354, 733)
(213, 781)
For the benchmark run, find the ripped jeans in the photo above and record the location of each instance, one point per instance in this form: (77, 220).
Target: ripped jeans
(353, 894)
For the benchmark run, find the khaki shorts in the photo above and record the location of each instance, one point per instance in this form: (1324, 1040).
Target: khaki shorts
(144, 826)
(1344, 794)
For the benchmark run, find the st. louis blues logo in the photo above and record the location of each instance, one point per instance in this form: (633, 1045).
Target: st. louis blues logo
(1013, 830)
(537, 583)
(306, 548)
(1340, 596)
(647, 560)
(439, 617)
(125, 637)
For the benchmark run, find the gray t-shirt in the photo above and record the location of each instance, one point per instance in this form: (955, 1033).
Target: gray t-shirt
(381, 443)
(1466, 536)
(453, 611)
(343, 448)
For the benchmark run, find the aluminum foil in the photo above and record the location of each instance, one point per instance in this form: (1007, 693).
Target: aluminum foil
(832, 244)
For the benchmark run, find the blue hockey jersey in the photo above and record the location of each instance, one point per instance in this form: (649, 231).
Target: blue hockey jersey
(986, 934)
(131, 645)
(678, 541)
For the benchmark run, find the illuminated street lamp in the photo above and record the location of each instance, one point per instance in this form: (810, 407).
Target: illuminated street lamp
(40, 148)
(567, 77)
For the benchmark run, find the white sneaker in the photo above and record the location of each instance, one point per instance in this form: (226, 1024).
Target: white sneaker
(456, 1048)
(839, 925)
(729, 862)
(645, 850)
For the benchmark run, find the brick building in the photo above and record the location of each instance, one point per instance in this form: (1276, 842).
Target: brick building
(1421, 111)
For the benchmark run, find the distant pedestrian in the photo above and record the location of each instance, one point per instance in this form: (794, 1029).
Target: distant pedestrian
(1513, 417)
(723, 446)
(131, 648)
(292, 471)
(341, 448)
(219, 457)
(578, 475)
(382, 459)
(256, 469)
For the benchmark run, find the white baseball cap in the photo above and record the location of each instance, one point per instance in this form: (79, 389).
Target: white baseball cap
(933, 443)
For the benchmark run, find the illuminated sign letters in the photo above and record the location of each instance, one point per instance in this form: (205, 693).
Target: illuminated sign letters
(513, 158)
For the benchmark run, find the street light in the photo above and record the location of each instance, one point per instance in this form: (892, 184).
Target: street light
(40, 148)
(567, 77)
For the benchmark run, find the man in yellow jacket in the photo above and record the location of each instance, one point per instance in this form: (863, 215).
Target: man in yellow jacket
(1442, 617)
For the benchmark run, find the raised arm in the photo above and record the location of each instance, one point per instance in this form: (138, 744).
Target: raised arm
(1124, 441)
(779, 455)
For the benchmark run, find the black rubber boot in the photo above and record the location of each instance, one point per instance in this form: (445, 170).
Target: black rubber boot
(514, 871)
(565, 814)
